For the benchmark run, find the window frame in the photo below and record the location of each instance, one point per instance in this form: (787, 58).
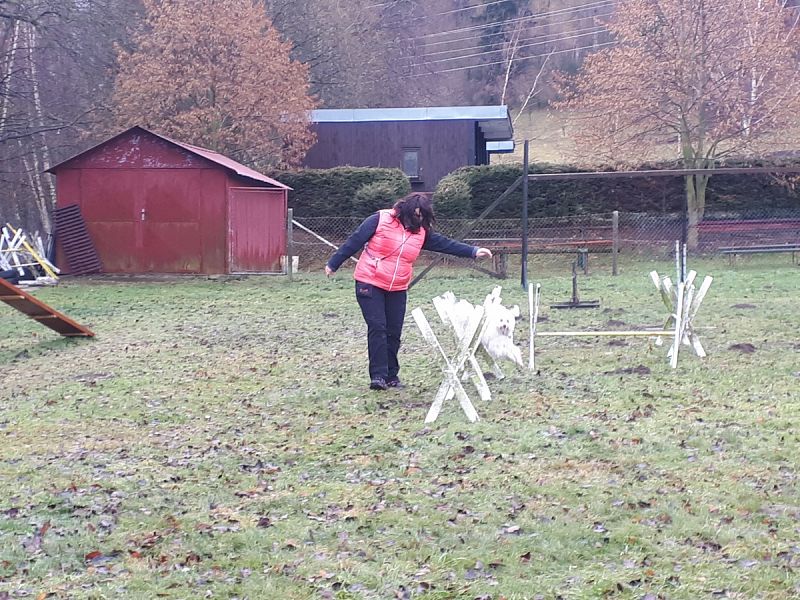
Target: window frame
(418, 151)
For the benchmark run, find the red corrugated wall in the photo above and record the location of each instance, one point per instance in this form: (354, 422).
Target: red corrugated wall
(257, 229)
(152, 207)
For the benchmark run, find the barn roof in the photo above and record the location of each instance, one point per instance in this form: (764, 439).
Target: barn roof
(215, 157)
(493, 120)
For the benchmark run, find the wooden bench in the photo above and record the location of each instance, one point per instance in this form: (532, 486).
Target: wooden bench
(748, 225)
(502, 247)
(733, 251)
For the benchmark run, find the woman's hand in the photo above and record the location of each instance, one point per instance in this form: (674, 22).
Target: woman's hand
(328, 271)
(483, 253)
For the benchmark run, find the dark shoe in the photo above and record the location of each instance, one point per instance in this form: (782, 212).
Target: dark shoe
(379, 383)
(394, 382)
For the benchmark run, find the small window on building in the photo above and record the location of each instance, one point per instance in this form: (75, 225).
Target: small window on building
(411, 162)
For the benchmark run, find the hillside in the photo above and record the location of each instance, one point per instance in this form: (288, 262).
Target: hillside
(551, 141)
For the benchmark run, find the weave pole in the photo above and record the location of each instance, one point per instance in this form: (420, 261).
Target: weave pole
(533, 317)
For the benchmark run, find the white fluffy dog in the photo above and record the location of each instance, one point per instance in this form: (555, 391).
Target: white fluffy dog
(498, 337)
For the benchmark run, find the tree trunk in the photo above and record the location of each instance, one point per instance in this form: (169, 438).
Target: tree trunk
(6, 77)
(45, 193)
(695, 186)
(695, 207)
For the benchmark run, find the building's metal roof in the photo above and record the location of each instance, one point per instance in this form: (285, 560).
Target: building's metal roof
(214, 157)
(493, 120)
(228, 163)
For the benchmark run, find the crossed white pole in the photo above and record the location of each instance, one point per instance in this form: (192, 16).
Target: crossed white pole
(682, 302)
(467, 344)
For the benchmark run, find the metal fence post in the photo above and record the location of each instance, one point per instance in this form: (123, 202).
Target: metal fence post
(524, 258)
(614, 241)
(289, 242)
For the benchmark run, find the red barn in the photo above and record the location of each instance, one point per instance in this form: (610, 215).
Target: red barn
(155, 205)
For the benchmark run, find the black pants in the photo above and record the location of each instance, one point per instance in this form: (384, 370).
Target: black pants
(384, 313)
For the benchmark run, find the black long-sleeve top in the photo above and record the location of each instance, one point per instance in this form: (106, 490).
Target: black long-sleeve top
(436, 242)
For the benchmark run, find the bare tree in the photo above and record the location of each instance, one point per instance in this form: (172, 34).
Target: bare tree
(719, 77)
(53, 68)
(357, 51)
(535, 89)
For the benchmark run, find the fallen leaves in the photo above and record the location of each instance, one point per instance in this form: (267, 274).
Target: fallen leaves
(33, 544)
(264, 522)
(637, 370)
(97, 558)
(392, 502)
(261, 467)
(92, 555)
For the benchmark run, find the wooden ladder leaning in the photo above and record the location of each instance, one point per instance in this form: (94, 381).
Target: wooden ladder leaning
(41, 312)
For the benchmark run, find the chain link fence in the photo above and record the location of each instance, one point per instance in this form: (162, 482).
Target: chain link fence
(636, 235)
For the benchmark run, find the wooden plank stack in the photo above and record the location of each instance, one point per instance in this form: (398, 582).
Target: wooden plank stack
(22, 256)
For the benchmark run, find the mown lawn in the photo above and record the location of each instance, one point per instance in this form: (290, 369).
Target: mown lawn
(217, 440)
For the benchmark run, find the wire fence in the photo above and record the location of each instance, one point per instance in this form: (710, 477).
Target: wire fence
(637, 235)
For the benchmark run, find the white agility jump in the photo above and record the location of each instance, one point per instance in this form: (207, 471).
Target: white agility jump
(465, 352)
(490, 327)
(682, 301)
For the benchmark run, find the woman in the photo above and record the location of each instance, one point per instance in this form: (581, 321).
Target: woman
(392, 240)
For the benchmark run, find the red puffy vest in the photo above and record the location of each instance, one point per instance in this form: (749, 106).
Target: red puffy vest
(388, 258)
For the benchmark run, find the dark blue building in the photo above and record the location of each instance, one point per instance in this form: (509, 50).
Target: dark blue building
(426, 143)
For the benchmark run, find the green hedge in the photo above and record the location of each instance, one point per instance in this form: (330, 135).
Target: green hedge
(465, 192)
(342, 191)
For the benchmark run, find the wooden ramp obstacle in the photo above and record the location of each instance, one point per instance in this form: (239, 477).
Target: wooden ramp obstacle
(41, 312)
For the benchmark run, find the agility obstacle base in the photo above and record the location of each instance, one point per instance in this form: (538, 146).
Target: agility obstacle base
(40, 312)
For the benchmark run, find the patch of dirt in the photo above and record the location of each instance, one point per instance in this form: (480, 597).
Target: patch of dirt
(744, 348)
(113, 278)
(744, 305)
(638, 370)
(616, 323)
(618, 343)
(93, 378)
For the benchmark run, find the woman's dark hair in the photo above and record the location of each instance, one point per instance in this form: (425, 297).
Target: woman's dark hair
(406, 211)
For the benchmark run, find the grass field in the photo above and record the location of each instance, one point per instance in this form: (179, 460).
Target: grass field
(217, 440)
